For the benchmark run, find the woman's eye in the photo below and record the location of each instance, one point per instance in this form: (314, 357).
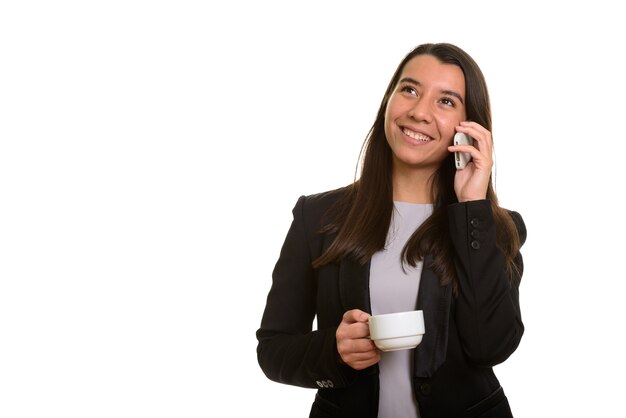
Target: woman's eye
(447, 101)
(408, 89)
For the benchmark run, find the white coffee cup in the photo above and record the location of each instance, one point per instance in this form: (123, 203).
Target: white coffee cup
(397, 331)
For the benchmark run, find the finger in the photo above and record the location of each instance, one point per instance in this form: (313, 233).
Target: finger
(357, 330)
(362, 345)
(479, 161)
(360, 357)
(348, 346)
(473, 127)
(473, 151)
(365, 359)
(364, 356)
(360, 365)
(461, 148)
(482, 139)
(481, 136)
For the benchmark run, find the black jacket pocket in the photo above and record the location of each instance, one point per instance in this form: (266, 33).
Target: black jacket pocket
(323, 408)
(493, 406)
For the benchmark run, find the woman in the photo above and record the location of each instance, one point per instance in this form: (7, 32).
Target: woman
(412, 233)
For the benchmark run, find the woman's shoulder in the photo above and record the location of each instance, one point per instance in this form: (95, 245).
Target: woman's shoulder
(327, 198)
(314, 207)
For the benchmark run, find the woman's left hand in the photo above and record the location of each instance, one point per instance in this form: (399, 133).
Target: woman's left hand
(471, 183)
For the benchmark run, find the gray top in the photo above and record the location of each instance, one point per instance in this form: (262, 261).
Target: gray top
(395, 290)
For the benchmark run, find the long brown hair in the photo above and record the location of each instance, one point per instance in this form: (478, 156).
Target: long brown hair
(361, 219)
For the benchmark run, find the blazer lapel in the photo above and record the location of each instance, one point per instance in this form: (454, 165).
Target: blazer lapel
(435, 301)
(354, 288)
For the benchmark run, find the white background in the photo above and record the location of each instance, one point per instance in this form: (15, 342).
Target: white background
(151, 153)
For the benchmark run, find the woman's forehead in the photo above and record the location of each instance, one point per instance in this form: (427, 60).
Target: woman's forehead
(427, 70)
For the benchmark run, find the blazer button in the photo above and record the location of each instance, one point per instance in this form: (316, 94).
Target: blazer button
(474, 222)
(475, 244)
(318, 383)
(425, 389)
(475, 233)
(330, 383)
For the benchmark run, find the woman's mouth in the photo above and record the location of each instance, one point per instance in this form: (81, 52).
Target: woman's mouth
(416, 136)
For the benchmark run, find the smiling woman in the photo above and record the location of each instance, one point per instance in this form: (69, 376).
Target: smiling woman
(412, 233)
(421, 117)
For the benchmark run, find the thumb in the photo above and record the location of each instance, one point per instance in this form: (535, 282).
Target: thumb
(355, 315)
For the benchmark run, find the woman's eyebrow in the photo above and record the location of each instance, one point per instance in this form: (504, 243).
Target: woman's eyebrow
(446, 92)
(453, 93)
(410, 81)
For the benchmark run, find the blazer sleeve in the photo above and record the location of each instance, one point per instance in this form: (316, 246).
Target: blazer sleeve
(487, 312)
(288, 350)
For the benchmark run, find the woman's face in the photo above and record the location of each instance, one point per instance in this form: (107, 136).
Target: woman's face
(423, 112)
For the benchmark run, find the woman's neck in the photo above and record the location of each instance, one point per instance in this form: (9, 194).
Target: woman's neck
(412, 185)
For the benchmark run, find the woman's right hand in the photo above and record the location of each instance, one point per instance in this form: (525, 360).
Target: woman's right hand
(354, 347)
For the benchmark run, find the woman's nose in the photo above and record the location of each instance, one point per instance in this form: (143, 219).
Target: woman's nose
(421, 111)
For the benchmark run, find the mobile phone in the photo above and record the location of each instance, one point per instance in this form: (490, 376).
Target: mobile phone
(462, 158)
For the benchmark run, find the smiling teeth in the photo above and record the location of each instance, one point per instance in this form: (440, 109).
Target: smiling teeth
(416, 136)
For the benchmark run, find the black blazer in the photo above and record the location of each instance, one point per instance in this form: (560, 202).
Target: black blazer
(465, 335)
